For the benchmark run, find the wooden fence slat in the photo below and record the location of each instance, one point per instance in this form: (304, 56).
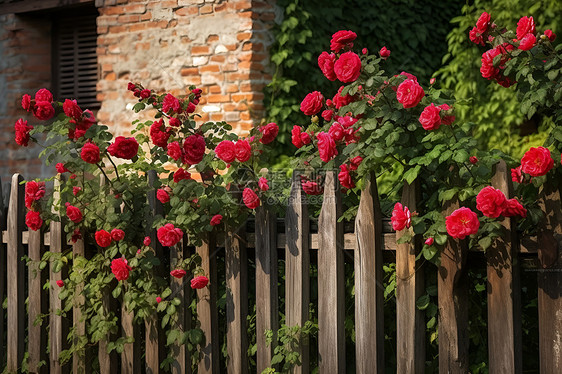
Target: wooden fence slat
(131, 362)
(15, 280)
(369, 289)
(3, 271)
(550, 281)
(58, 325)
(38, 304)
(453, 304)
(154, 336)
(182, 360)
(236, 260)
(331, 297)
(207, 312)
(297, 266)
(504, 298)
(410, 326)
(80, 362)
(266, 285)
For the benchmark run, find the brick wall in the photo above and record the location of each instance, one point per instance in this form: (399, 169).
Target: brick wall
(25, 49)
(220, 46)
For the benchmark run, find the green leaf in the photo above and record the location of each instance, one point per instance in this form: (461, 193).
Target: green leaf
(423, 302)
(411, 174)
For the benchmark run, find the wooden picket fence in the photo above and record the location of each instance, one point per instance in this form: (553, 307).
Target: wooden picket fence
(371, 238)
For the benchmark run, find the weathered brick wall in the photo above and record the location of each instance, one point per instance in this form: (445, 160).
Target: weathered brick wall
(25, 50)
(220, 46)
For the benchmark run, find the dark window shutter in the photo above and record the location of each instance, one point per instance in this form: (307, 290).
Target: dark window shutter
(75, 67)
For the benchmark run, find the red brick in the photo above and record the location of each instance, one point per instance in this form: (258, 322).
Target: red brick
(189, 71)
(206, 9)
(245, 116)
(218, 58)
(258, 47)
(218, 98)
(244, 36)
(111, 10)
(118, 29)
(212, 38)
(146, 16)
(199, 50)
(217, 117)
(129, 18)
(209, 69)
(134, 8)
(215, 89)
(220, 7)
(232, 88)
(246, 4)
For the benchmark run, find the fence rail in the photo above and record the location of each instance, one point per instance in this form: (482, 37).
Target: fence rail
(293, 241)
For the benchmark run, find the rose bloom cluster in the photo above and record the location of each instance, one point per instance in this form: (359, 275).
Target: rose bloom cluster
(536, 162)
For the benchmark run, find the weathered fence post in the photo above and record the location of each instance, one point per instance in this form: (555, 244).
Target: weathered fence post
(3, 271)
(410, 326)
(504, 298)
(453, 303)
(236, 260)
(58, 324)
(182, 360)
(550, 281)
(266, 285)
(331, 292)
(369, 290)
(155, 342)
(15, 280)
(79, 359)
(207, 312)
(297, 266)
(131, 361)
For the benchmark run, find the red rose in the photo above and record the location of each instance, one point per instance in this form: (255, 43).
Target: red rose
(174, 150)
(345, 178)
(120, 268)
(158, 299)
(181, 174)
(296, 136)
(76, 235)
(491, 202)
(401, 217)
(22, 132)
(327, 115)
(193, 149)
(251, 200)
(312, 188)
(158, 133)
(226, 151)
(71, 109)
(26, 100)
(548, 33)
(514, 208)
(216, 220)
(33, 192)
(488, 70)
(43, 110)
(60, 283)
(191, 107)
(445, 119)
(162, 196)
(305, 138)
(461, 223)
(526, 25)
(341, 101)
(73, 213)
(409, 93)
(336, 131)
(312, 103)
(429, 241)
(348, 67)
(262, 184)
(126, 148)
(355, 162)
(516, 175)
(537, 161)
(171, 104)
(44, 95)
(76, 190)
(473, 160)
(61, 168)
(384, 53)
(326, 146)
(341, 39)
(90, 153)
(269, 133)
(326, 63)
(168, 235)
(146, 241)
(430, 118)
(199, 282)
(175, 122)
(347, 121)
(243, 150)
(483, 23)
(178, 273)
(33, 220)
(103, 238)
(527, 42)
(117, 235)
(131, 86)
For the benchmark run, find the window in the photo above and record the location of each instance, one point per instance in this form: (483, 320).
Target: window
(75, 66)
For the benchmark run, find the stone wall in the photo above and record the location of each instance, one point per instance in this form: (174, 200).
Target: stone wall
(220, 46)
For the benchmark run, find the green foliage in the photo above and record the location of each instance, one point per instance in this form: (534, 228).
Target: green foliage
(504, 121)
(414, 31)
